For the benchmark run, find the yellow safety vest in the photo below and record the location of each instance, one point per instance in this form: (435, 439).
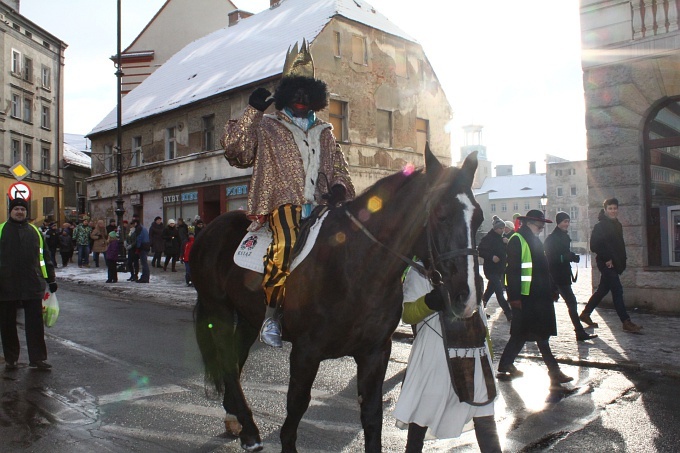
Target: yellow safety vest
(527, 266)
(43, 267)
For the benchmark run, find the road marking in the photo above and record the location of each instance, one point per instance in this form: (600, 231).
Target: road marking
(89, 351)
(137, 393)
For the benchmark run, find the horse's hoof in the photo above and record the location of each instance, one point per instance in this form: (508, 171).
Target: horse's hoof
(257, 446)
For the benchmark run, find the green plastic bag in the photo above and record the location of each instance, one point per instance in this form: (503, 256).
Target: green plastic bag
(50, 309)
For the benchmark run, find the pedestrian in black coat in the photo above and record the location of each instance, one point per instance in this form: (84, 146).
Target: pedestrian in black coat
(492, 250)
(157, 241)
(530, 296)
(65, 246)
(52, 241)
(559, 255)
(172, 244)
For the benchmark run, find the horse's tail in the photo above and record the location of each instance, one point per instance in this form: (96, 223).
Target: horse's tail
(215, 326)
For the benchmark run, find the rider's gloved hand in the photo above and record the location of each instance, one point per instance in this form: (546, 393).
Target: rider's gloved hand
(260, 99)
(434, 300)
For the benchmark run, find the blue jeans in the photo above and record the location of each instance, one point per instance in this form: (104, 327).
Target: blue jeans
(609, 281)
(83, 255)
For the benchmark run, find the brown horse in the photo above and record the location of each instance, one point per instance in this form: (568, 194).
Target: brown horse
(345, 298)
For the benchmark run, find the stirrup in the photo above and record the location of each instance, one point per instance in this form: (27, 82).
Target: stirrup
(270, 334)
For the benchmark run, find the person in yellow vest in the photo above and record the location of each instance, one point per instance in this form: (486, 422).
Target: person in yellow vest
(25, 267)
(530, 296)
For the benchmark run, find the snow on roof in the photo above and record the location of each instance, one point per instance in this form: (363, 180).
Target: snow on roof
(514, 186)
(73, 143)
(251, 50)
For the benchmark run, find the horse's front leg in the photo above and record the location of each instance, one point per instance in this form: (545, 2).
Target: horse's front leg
(303, 370)
(371, 369)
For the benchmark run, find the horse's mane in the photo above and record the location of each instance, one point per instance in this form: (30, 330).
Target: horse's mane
(389, 184)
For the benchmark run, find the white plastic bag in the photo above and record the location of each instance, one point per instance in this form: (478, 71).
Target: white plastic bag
(50, 308)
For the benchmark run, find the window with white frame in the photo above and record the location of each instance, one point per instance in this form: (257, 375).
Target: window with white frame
(572, 171)
(337, 112)
(16, 106)
(28, 155)
(208, 133)
(45, 77)
(28, 110)
(384, 127)
(45, 159)
(45, 117)
(108, 158)
(574, 235)
(136, 159)
(559, 192)
(422, 134)
(573, 191)
(573, 213)
(493, 207)
(170, 143)
(16, 151)
(28, 69)
(504, 207)
(16, 62)
(79, 188)
(527, 205)
(359, 54)
(515, 206)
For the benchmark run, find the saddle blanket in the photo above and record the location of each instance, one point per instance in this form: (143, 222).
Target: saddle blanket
(253, 248)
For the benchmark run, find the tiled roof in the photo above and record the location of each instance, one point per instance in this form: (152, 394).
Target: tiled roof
(514, 186)
(251, 50)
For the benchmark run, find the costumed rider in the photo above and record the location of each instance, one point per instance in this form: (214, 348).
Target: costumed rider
(428, 398)
(296, 165)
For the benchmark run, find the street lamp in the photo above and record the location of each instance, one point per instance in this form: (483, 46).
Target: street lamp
(544, 205)
(120, 210)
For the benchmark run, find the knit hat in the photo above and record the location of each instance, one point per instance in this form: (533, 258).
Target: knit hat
(171, 221)
(509, 224)
(113, 234)
(498, 223)
(18, 202)
(536, 216)
(560, 217)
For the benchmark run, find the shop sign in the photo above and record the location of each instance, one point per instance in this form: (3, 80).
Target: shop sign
(190, 196)
(234, 191)
(186, 196)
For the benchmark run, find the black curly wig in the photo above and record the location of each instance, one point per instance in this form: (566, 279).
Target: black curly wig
(316, 91)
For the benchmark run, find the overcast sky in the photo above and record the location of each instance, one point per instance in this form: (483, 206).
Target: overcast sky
(512, 67)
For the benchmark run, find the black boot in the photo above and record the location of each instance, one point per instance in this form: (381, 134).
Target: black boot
(416, 438)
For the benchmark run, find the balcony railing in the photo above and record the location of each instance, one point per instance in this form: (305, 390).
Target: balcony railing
(654, 17)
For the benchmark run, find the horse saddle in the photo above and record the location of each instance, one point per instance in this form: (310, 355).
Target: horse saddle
(253, 247)
(464, 340)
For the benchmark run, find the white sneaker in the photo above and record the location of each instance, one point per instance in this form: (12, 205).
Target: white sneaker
(270, 334)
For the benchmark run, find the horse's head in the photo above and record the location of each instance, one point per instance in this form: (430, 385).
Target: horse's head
(453, 217)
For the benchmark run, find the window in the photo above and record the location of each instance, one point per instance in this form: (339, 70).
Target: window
(16, 106)
(359, 55)
(79, 188)
(336, 44)
(170, 143)
(572, 171)
(45, 117)
(527, 205)
(45, 159)
(574, 235)
(493, 207)
(338, 118)
(573, 213)
(136, 158)
(28, 155)
(208, 133)
(573, 191)
(28, 34)
(28, 69)
(515, 206)
(384, 127)
(16, 62)
(45, 77)
(560, 192)
(28, 110)
(16, 151)
(422, 134)
(558, 172)
(400, 62)
(108, 158)
(504, 207)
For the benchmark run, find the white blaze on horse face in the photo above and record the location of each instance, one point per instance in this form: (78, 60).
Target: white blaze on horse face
(468, 211)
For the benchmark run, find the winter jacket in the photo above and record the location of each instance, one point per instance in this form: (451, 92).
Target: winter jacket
(65, 242)
(172, 241)
(142, 238)
(99, 237)
(112, 250)
(156, 237)
(21, 276)
(559, 255)
(183, 230)
(81, 235)
(537, 320)
(187, 249)
(52, 238)
(607, 242)
(492, 245)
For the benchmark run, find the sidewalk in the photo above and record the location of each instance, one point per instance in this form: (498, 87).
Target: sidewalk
(166, 287)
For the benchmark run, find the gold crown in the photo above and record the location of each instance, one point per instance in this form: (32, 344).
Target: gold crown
(299, 63)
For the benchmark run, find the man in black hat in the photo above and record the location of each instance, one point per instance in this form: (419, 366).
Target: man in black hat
(25, 266)
(529, 293)
(560, 257)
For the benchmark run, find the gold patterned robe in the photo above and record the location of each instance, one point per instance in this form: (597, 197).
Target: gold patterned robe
(266, 143)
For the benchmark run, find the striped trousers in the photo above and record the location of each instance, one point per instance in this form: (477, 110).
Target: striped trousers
(285, 225)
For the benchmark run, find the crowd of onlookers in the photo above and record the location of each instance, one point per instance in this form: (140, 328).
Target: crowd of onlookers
(125, 248)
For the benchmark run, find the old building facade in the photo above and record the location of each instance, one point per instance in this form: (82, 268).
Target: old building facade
(631, 55)
(385, 102)
(567, 191)
(31, 125)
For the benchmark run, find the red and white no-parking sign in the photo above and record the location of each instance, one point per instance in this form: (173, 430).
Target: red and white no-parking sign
(19, 190)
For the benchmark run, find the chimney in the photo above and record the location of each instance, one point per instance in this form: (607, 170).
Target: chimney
(236, 15)
(532, 167)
